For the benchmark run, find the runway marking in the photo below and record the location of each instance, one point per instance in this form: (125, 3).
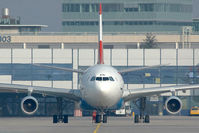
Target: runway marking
(97, 128)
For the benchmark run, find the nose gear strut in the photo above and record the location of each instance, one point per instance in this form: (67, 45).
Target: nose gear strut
(101, 117)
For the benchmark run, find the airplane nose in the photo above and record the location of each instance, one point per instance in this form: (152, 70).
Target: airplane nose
(108, 92)
(104, 89)
(103, 95)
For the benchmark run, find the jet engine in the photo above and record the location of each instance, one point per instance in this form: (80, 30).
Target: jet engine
(173, 105)
(29, 105)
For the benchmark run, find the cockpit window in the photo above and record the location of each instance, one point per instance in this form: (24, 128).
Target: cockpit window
(111, 79)
(102, 78)
(93, 78)
(105, 78)
(99, 78)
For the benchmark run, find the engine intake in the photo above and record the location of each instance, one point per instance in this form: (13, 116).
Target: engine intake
(173, 105)
(29, 105)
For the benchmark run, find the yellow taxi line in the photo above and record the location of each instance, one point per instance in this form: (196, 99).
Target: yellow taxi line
(97, 128)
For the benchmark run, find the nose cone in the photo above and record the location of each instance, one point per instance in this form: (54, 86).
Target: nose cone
(104, 95)
(104, 89)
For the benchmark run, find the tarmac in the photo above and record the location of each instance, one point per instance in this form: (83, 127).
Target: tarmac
(158, 124)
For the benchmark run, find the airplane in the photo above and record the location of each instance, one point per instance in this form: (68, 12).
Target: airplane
(101, 89)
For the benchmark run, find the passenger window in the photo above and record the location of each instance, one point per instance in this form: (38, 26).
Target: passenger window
(111, 79)
(99, 78)
(93, 78)
(105, 78)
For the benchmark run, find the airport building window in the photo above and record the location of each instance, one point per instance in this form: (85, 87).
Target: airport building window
(128, 7)
(112, 7)
(131, 9)
(28, 72)
(164, 7)
(123, 7)
(196, 25)
(106, 7)
(85, 7)
(43, 46)
(79, 23)
(71, 7)
(94, 7)
(180, 8)
(147, 7)
(119, 23)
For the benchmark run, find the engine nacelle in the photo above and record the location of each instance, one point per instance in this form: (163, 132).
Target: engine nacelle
(29, 105)
(173, 105)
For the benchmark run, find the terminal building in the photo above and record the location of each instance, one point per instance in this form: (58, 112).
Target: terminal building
(127, 15)
(178, 51)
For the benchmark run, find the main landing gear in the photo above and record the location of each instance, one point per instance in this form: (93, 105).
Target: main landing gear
(59, 117)
(101, 117)
(142, 117)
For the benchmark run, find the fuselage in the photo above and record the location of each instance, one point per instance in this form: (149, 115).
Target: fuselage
(101, 86)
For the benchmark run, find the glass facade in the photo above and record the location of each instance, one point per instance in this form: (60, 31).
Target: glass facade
(196, 25)
(120, 7)
(127, 15)
(29, 72)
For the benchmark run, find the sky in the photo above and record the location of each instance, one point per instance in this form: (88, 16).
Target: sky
(47, 12)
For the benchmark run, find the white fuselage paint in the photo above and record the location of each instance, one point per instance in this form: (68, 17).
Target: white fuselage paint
(101, 94)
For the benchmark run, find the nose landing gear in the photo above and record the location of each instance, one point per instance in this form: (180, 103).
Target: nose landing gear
(101, 118)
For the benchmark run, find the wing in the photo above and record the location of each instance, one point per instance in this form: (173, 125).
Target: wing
(143, 92)
(57, 92)
(61, 68)
(138, 68)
